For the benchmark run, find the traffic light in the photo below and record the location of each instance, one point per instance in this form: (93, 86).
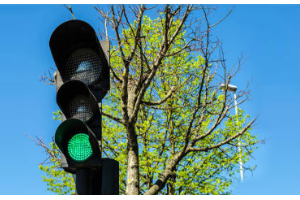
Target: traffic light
(83, 72)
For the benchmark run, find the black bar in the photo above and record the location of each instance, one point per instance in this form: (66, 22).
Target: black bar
(110, 177)
(83, 181)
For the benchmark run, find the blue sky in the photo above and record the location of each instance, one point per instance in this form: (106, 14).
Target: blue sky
(267, 35)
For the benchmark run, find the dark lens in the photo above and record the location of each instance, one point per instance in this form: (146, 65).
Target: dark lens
(83, 65)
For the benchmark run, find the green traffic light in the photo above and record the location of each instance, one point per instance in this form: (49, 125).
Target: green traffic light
(79, 147)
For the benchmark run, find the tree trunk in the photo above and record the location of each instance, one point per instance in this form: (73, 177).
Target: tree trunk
(133, 163)
(132, 147)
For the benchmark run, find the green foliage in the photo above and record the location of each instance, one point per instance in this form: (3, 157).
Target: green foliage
(58, 181)
(57, 116)
(161, 130)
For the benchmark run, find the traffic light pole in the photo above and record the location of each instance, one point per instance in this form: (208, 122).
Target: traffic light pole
(83, 181)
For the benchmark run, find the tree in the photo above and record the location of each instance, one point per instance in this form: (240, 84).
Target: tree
(165, 118)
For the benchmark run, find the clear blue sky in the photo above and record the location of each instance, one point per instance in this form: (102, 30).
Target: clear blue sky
(268, 35)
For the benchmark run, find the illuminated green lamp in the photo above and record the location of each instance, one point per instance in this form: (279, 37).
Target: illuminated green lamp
(79, 147)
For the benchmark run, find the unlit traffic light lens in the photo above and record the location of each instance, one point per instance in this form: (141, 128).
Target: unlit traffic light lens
(79, 147)
(84, 65)
(80, 108)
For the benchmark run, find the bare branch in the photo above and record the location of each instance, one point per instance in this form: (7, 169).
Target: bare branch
(48, 79)
(169, 94)
(160, 183)
(225, 141)
(70, 9)
(223, 18)
(113, 118)
(40, 142)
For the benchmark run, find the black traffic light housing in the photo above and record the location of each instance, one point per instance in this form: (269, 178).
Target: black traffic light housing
(73, 42)
(81, 82)
(84, 73)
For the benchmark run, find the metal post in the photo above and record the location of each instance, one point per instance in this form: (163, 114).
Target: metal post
(83, 181)
(110, 177)
(239, 141)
